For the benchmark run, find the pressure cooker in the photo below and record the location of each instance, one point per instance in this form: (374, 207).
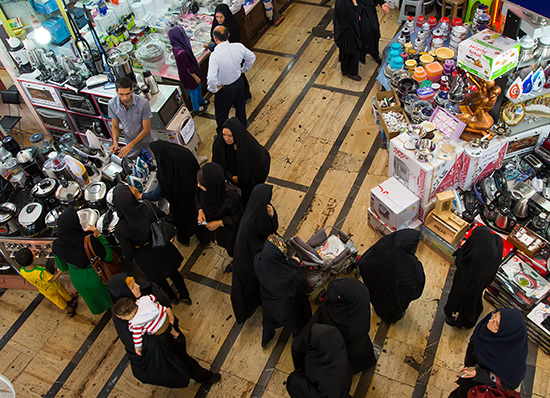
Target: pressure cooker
(106, 224)
(52, 218)
(95, 195)
(44, 191)
(31, 219)
(69, 194)
(8, 219)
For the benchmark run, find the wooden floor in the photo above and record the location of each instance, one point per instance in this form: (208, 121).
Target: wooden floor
(326, 156)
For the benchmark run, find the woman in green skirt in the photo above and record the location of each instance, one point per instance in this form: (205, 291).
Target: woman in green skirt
(70, 255)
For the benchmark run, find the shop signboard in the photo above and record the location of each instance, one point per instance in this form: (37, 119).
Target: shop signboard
(474, 168)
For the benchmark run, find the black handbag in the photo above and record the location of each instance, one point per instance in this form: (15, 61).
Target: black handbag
(162, 229)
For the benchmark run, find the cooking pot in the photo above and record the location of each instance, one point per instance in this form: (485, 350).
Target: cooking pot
(95, 194)
(31, 219)
(87, 217)
(121, 65)
(52, 217)
(8, 221)
(45, 191)
(106, 224)
(69, 194)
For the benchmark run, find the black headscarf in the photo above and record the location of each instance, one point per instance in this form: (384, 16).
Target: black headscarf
(256, 225)
(326, 371)
(159, 364)
(216, 190)
(477, 262)
(230, 23)
(282, 285)
(346, 26)
(504, 352)
(393, 273)
(253, 159)
(347, 306)
(135, 218)
(69, 245)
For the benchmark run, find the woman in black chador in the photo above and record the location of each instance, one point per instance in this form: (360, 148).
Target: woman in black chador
(218, 206)
(282, 289)
(370, 28)
(133, 231)
(244, 161)
(258, 222)
(393, 274)
(322, 367)
(346, 306)
(499, 348)
(347, 37)
(477, 264)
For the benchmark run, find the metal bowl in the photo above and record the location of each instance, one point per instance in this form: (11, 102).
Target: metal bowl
(424, 150)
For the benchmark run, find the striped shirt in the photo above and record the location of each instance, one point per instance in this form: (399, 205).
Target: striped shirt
(149, 318)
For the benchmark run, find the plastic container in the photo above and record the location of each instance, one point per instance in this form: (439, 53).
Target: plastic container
(420, 21)
(420, 74)
(434, 71)
(456, 22)
(410, 64)
(426, 59)
(433, 22)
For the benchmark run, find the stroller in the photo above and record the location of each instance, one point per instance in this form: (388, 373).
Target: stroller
(324, 256)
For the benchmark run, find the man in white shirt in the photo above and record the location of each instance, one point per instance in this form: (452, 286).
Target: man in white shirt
(224, 76)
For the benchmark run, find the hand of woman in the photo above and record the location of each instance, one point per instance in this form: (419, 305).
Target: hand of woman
(270, 211)
(94, 230)
(213, 225)
(136, 192)
(386, 8)
(467, 373)
(202, 217)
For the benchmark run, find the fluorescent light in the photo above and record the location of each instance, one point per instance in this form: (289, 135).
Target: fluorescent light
(42, 36)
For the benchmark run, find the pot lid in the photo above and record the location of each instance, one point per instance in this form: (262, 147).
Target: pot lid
(87, 217)
(545, 40)
(95, 191)
(110, 227)
(30, 213)
(44, 188)
(7, 211)
(71, 189)
(53, 216)
(36, 137)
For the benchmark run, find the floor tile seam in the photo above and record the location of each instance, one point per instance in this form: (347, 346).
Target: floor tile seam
(21, 319)
(338, 90)
(115, 377)
(274, 53)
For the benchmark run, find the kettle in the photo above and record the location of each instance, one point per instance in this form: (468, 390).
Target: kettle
(521, 208)
(505, 220)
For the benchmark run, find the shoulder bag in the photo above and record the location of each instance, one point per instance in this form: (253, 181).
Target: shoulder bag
(484, 391)
(105, 270)
(162, 230)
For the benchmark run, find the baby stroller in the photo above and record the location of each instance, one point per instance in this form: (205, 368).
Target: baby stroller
(324, 256)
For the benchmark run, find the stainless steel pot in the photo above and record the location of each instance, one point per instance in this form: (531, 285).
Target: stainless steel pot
(70, 194)
(120, 65)
(45, 191)
(8, 219)
(31, 219)
(106, 224)
(52, 217)
(95, 194)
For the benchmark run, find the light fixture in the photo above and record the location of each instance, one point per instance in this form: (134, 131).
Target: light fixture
(41, 34)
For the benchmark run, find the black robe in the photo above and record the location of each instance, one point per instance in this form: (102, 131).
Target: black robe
(133, 231)
(346, 27)
(369, 28)
(159, 364)
(255, 227)
(477, 263)
(219, 202)
(230, 23)
(347, 307)
(282, 289)
(393, 274)
(250, 162)
(177, 177)
(326, 371)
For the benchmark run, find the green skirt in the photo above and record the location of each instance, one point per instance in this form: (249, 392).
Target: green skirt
(89, 286)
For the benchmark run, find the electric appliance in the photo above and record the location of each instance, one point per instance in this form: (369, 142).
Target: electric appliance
(32, 219)
(164, 106)
(40, 94)
(78, 102)
(8, 219)
(55, 119)
(84, 123)
(103, 105)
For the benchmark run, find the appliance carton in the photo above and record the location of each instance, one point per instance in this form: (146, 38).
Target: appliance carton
(394, 204)
(383, 229)
(475, 168)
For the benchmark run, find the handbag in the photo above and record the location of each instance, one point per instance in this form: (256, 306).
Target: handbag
(105, 269)
(162, 230)
(484, 391)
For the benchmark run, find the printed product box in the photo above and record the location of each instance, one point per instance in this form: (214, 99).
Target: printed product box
(425, 180)
(439, 245)
(488, 54)
(394, 204)
(383, 229)
(475, 168)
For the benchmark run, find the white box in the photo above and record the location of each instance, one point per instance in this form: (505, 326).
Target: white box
(475, 168)
(383, 229)
(394, 204)
(488, 54)
(525, 142)
(425, 180)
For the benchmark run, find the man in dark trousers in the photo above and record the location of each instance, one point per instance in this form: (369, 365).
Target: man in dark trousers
(224, 76)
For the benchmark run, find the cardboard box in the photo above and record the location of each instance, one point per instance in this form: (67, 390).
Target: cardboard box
(394, 204)
(392, 134)
(382, 228)
(439, 245)
(488, 54)
(387, 94)
(475, 168)
(425, 180)
(525, 142)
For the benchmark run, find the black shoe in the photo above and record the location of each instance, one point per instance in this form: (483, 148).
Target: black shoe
(184, 241)
(377, 59)
(357, 78)
(267, 338)
(344, 73)
(229, 268)
(187, 301)
(214, 378)
(206, 103)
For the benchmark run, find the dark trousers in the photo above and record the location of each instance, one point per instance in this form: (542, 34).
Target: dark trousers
(228, 96)
(179, 283)
(349, 63)
(247, 94)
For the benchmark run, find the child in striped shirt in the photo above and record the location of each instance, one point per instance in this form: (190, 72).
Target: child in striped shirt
(145, 315)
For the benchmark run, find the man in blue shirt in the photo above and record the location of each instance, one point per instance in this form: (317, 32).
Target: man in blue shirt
(133, 114)
(224, 76)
